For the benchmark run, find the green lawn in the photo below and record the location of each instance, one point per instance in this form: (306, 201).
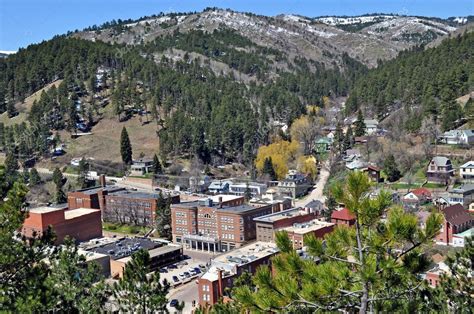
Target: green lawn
(404, 186)
(122, 228)
(430, 185)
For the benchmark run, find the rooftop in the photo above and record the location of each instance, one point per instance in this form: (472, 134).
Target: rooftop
(285, 214)
(123, 247)
(463, 188)
(343, 214)
(467, 233)
(96, 189)
(305, 227)
(47, 209)
(457, 215)
(156, 252)
(135, 194)
(74, 213)
(468, 165)
(239, 257)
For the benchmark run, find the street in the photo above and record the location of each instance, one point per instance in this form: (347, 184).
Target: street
(317, 192)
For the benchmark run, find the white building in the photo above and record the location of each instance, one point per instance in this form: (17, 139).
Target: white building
(255, 188)
(458, 137)
(466, 172)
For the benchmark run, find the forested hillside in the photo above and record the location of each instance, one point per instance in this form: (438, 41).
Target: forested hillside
(426, 81)
(201, 111)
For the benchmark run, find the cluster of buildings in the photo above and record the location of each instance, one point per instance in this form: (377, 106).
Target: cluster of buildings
(294, 185)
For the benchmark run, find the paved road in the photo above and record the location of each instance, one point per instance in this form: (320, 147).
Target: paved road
(317, 192)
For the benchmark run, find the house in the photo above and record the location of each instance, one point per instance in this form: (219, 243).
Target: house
(373, 173)
(457, 137)
(294, 185)
(315, 206)
(371, 126)
(440, 170)
(323, 145)
(343, 217)
(441, 201)
(356, 164)
(456, 219)
(255, 188)
(219, 186)
(466, 172)
(463, 195)
(141, 166)
(433, 276)
(418, 196)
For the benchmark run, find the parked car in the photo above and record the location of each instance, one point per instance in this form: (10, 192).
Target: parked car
(175, 279)
(163, 270)
(173, 266)
(174, 303)
(186, 274)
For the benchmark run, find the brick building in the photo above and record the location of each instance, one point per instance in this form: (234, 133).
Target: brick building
(268, 224)
(298, 231)
(219, 223)
(456, 220)
(225, 268)
(119, 204)
(343, 217)
(82, 224)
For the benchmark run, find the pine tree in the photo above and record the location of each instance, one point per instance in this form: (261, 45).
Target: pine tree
(268, 168)
(58, 179)
(390, 168)
(11, 110)
(359, 125)
(82, 173)
(125, 147)
(163, 216)
(11, 167)
(247, 193)
(348, 139)
(139, 292)
(374, 264)
(157, 169)
(35, 178)
(339, 139)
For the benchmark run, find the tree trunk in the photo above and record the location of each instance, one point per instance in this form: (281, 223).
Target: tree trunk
(364, 300)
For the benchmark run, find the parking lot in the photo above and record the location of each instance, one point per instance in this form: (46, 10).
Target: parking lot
(185, 289)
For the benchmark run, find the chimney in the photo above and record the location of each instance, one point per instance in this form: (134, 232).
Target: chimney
(102, 180)
(220, 290)
(220, 201)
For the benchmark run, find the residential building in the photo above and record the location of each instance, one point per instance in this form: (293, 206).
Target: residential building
(463, 195)
(315, 206)
(458, 137)
(371, 126)
(255, 188)
(433, 276)
(298, 231)
(356, 164)
(81, 224)
(141, 166)
(219, 186)
(267, 225)
(373, 173)
(416, 197)
(215, 226)
(466, 172)
(440, 170)
(456, 220)
(323, 145)
(120, 252)
(459, 239)
(343, 217)
(294, 185)
(226, 267)
(271, 197)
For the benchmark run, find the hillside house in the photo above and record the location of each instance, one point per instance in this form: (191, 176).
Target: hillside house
(416, 197)
(466, 172)
(463, 195)
(440, 170)
(456, 220)
(457, 137)
(373, 173)
(323, 145)
(294, 185)
(343, 217)
(371, 126)
(219, 186)
(141, 166)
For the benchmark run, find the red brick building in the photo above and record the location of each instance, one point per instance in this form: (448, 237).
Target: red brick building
(343, 217)
(225, 268)
(220, 223)
(456, 220)
(268, 224)
(119, 205)
(82, 224)
(299, 231)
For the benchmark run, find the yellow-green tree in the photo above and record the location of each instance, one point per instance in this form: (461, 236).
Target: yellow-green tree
(282, 154)
(305, 130)
(307, 165)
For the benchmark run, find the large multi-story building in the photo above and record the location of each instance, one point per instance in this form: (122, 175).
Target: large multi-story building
(81, 224)
(218, 223)
(294, 185)
(254, 188)
(225, 268)
(298, 231)
(267, 225)
(119, 204)
(457, 219)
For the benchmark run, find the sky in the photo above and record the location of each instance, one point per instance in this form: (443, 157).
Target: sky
(23, 22)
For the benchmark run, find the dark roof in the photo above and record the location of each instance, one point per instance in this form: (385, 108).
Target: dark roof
(457, 215)
(314, 204)
(343, 214)
(126, 246)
